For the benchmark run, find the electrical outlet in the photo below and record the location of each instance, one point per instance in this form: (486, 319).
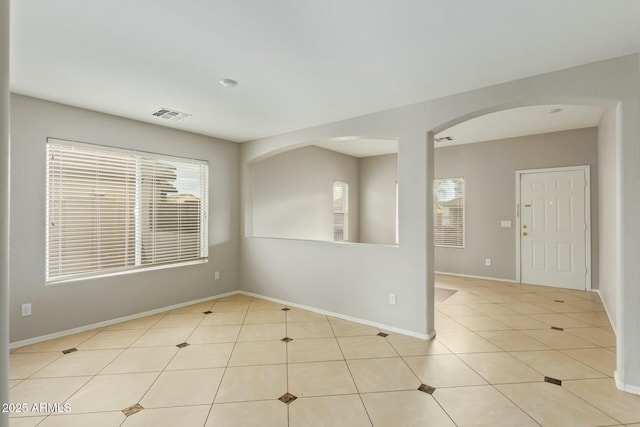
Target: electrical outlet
(487, 262)
(26, 309)
(392, 299)
(216, 276)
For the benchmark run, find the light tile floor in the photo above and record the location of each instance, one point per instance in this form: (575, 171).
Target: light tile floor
(496, 343)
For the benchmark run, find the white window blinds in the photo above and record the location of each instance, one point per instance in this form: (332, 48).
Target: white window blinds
(448, 215)
(112, 210)
(340, 211)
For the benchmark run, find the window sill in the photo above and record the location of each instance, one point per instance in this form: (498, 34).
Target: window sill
(123, 272)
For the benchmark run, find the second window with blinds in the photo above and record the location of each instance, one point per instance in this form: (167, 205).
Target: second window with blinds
(111, 210)
(448, 215)
(340, 211)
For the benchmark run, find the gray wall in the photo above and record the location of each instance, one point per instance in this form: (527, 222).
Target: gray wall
(355, 279)
(4, 207)
(67, 305)
(293, 194)
(378, 176)
(608, 166)
(489, 169)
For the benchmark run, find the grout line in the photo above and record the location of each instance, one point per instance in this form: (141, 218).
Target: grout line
(359, 393)
(515, 404)
(592, 405)
(588, 366)
(98, 330)
(227, 364)
(420, 381)
(286, 334)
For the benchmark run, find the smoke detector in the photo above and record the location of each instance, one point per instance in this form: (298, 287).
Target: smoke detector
(169, 114)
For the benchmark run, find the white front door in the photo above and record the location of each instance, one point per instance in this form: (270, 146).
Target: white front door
(553, 228)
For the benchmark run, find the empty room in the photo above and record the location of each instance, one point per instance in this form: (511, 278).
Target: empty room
(339, 213)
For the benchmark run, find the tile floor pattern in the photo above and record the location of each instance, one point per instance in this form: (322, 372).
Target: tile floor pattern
(494, 347)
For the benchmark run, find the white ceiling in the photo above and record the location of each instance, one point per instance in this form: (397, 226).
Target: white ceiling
(299, 63)
(360, 147)
(522, 121)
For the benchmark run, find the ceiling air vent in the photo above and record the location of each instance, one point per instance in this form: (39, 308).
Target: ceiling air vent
(444, 139)
(168, 114)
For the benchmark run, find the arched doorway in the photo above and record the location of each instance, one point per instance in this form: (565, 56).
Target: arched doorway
(607, 238)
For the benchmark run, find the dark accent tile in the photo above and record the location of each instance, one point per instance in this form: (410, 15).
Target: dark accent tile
(182, 345)
(207, 312)
(382, 334)
(559, 300)
(287, 398)
(553, 381)
(69, 350)
(441, 294)
(286, 309)
(133, 409)
(557, 328)
(286, 339)
(426, 389)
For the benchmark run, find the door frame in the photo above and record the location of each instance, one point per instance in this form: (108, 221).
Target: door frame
(586, 169)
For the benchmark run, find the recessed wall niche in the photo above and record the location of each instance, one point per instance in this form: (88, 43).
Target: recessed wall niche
(339, 190)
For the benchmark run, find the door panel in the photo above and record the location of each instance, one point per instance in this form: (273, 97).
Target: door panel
(539, 252)
(553, 231)
(564, 214)
(564, 257)
(538, 214)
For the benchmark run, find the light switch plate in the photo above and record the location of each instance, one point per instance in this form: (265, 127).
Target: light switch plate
(26, 309)
(505, 224)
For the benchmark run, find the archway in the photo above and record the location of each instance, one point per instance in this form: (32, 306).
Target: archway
(607, 140)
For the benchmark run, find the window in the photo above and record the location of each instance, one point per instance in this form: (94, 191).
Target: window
(397, 217)
(111, 210)
(448, 215)
(340, 211)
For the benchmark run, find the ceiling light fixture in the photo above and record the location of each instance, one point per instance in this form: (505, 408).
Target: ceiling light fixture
(554, 110)
(228, 82)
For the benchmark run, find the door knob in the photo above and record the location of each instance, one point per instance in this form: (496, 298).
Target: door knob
(524, 226)
(524, 233)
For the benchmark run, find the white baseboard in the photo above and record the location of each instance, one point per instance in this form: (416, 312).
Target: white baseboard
(470, 276)
(344, 317)
(634, 389)
(110, 322)
(613, 325)
(113, 321)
